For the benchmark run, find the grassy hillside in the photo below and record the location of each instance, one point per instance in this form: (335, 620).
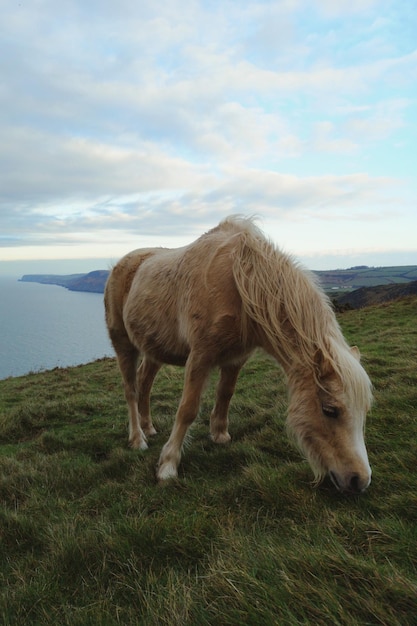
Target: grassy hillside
(88, 538)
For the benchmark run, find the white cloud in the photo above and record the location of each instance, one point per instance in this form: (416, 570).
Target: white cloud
(151, 119)
(325, 141)
(379, 121)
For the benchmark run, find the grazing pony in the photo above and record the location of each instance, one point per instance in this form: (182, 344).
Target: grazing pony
(210, 304)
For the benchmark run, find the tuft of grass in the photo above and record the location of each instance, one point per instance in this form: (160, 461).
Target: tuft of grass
(87, 536)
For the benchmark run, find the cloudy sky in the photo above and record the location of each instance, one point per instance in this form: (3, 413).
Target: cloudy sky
(137, 122)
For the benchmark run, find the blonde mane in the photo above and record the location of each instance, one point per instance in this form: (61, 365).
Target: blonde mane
(284, 299)
(289, 305)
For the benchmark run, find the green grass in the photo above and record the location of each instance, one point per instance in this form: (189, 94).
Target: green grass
(87, 537)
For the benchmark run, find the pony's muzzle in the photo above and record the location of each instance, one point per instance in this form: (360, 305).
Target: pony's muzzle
(352, 482)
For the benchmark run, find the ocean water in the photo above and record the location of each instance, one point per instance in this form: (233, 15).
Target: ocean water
(46, 326)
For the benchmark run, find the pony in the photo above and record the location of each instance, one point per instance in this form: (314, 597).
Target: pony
(209, 305)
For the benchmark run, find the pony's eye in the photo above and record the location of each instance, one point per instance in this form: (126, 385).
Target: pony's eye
(330, 411)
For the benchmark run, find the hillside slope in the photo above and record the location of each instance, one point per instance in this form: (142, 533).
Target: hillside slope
(87, 537)
(368, 296)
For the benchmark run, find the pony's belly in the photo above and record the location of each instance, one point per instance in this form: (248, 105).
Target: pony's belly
(164, 356)
(161, 347)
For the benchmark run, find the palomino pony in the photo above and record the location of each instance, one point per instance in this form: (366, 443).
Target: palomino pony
(210, 304)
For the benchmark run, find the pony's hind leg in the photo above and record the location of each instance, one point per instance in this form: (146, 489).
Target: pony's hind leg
(127, 358)
(146, 375)
(195, 378)
(219, 416)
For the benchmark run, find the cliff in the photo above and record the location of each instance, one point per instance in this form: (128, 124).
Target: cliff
(93, 282)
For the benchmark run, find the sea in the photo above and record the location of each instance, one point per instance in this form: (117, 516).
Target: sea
(47, 326)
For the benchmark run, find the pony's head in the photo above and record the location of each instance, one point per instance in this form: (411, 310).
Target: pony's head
(326, 417)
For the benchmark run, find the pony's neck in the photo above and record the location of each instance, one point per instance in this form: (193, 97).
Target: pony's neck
(303, 326)
(289, 310)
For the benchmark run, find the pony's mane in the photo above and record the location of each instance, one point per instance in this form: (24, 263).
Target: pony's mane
(287, 302)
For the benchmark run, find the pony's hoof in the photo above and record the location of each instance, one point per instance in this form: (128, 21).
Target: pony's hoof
(150, 432)
(138, 444)
(221, 438)
(166, 471)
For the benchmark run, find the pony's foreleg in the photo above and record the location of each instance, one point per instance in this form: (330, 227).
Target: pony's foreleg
(195, 378)
(146, 375)
(219, 416)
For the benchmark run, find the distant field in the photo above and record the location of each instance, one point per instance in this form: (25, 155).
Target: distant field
(366, 277)
(87, 537)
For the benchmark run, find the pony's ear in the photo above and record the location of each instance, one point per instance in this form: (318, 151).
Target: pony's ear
(356, 353)
(323, 365)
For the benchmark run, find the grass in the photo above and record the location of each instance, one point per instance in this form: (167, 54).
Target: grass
(87, 537)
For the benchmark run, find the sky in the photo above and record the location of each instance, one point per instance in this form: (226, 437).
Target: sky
(127, 124)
